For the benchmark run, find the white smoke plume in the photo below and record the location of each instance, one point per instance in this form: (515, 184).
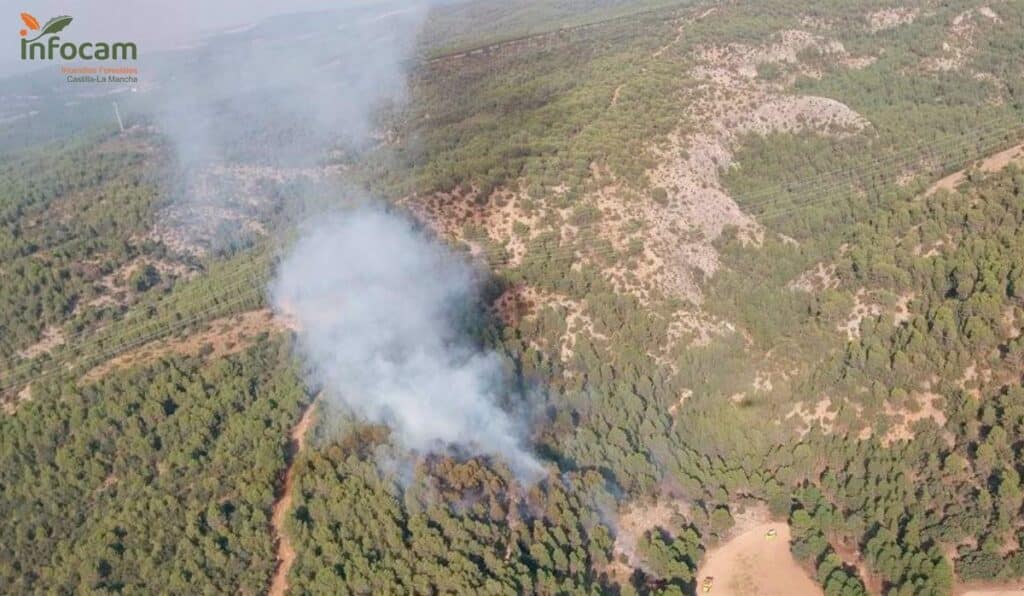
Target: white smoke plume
(378, 303)
(285, 88)
(378, 307)
(268, 106)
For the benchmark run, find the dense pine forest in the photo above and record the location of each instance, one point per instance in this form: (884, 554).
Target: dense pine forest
(743, 263)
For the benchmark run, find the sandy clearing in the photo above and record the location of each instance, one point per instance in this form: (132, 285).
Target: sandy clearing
(285, 550)
(752, 564)
(992, 592)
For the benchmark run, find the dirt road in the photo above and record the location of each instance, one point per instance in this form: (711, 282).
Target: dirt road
(992, 163)
(285, 551)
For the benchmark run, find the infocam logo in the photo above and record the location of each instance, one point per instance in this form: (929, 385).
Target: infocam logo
(46, 45)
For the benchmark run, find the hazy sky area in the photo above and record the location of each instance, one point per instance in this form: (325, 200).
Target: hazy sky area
(152, 24)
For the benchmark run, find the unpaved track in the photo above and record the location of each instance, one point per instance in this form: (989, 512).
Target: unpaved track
(285, 550)
(992, 163)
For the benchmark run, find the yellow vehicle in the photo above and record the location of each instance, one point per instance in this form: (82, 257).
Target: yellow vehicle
(705, 586)
(771, 534)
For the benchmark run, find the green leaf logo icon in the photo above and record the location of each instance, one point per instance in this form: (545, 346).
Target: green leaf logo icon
(54, 25)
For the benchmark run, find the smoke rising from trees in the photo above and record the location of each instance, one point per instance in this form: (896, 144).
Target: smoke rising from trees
(379, 306)
(377, 302)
